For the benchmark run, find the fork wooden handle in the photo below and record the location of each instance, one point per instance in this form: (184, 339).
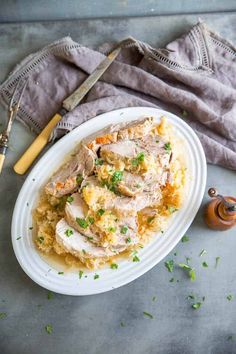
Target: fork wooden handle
(36, 147)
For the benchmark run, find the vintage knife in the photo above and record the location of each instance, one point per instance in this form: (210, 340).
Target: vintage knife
(68, 105)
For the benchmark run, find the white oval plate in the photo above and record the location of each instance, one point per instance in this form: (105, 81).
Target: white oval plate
(69, 283)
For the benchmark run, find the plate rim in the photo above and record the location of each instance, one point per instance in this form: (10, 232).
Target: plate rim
(168, 249)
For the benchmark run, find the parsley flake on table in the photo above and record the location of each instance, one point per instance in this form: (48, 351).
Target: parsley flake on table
(170, 265)
(50, 295)
(80, 274)
(184, 113)
(31, 228)
(204, 264)
(60, 273)
(230, 338)
(172, 280)
(122, 324)
(48, 328)
(70, 199)
(3, 315)
(114, 266)
(191, 297)
(18, 238)
(191, 271)
(147, 314)
(230, 297)
(202, 253)
(96, 276)
(217, 261)
(154, 298)
(185, 238)
(68, 232)
(197, 305)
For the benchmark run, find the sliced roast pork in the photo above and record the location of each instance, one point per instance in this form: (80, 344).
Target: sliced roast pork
(123, 131)
(79, 245)
(76, 215)
(100, 197)
(67, 179)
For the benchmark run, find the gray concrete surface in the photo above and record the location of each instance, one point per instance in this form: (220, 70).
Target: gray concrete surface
(42, 10)
(92, 324)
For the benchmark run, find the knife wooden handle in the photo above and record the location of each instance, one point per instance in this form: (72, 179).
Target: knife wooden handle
(2, 159)
(36, 147)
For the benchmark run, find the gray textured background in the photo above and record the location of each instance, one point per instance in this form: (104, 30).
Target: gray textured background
(92, 324)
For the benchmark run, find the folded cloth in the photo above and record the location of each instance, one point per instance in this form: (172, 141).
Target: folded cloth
(193, 77)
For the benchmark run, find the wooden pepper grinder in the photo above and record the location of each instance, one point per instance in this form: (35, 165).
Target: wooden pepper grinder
(220, 212)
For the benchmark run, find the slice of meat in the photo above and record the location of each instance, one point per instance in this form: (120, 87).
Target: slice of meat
(65, 180)
(100, 197)
(76, 210)
(123, 151)
(113, 133)
(79, 245)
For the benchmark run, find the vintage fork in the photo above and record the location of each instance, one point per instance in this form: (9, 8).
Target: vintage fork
(12, 113)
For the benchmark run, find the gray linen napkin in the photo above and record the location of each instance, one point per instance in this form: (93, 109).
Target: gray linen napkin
(193, 77)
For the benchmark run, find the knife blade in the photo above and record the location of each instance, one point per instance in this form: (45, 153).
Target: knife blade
(68, 105)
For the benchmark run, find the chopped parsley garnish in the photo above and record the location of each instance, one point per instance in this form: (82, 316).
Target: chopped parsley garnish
(190, 297)
(128, 240)
(60, 273)
(3, 315)
(171, 209)
(70, 199)
(197, 305)
(48, 328)
(40, 239)
(150, 219)
(31, 228)
(154, 298)
(170, 265)
(99, 162)
(175, 254)
(203, 298)
(187, 259)
(82, 223)
(157, 141)
(96, 276)
(191, 271)
(50, 295)
(79, 178)
(204, 264)
(202, 253)
(140, 158)
(147, 314)
(217, 261)
(185, 238)
(18, 238)
(167, 147)
(114, 266)
(230, 297)
(111, 229)
(172, 280)
(123, 229)
(90, 238)
(68, 232)
(117, 177)
(91, 220)
(81, 274)
(122, 324)
(137, 185)
(230, 338)
(84, 252)
(101, 212)
(136, 259)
